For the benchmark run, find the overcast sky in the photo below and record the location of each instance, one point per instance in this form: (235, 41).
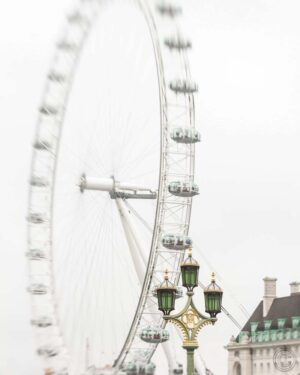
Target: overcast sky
(246, 60)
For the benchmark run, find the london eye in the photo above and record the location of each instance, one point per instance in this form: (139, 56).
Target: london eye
(111, 186)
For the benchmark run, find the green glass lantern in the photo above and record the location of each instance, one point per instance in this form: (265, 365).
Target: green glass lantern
(189, 272)
(213, 298)
(166, 293)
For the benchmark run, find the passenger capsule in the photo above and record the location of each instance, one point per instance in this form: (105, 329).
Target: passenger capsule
(62, 372)
(150, 368)
(56, 77)
(178, 370)
(168, 10)
(38, 181)
(176, 242)
(48, 110)
(37, 289)
(131, 368)
(36, 254)
(181, 86)
(66, 46)
(36, 218)
(154, 335)
(42, 145)
(42, 322)
(179, 292)
(76, 17)
(48, 351)
(183, 189)
(177, 43)
(185, 135)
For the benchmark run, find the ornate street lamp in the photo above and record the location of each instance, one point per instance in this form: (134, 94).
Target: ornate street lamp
(213, 298)
(166, 294)
(189, 273)
(190, 320)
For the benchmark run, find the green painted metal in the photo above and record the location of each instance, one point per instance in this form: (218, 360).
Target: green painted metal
(166, 294)
(213, 302)
(213, 298)
(190, 362)
(189, 276)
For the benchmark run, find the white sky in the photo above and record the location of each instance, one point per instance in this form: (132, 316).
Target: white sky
(246, 61)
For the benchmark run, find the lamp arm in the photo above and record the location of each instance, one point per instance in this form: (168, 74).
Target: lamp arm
(190, 322)
(183, 328)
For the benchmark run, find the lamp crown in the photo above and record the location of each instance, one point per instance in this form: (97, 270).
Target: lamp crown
(166, 284)
(190, 260)
(213, 286)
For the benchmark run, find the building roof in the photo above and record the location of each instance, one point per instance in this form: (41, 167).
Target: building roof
(281, 308)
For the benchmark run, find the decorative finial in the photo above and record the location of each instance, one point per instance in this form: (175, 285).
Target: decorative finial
(190, 251)
(213, 277)
(166, 275)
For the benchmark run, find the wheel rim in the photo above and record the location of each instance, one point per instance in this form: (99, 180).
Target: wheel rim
(172, 212)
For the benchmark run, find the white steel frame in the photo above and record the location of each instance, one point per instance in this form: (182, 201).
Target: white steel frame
(176, 163)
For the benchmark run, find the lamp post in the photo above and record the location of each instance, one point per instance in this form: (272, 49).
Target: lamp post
(189, 320)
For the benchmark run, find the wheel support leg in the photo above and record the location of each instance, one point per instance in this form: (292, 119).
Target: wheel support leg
(137, 251)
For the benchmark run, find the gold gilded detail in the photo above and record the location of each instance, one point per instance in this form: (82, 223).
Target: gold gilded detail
(190, 318)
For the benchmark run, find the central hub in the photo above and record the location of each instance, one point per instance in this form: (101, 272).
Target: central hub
(116, 189)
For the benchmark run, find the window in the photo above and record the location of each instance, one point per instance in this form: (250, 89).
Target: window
(253, 326)
(281, 323)
(254, 369)
(295, 321)
(261, 368)
(268, 324)
(237, 369)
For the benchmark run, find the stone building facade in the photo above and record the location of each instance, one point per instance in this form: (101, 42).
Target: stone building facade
(269, 343)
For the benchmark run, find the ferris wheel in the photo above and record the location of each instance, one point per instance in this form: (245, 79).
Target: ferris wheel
(111, 186)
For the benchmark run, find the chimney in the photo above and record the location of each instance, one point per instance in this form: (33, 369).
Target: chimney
(269, 293)
(295, 287)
